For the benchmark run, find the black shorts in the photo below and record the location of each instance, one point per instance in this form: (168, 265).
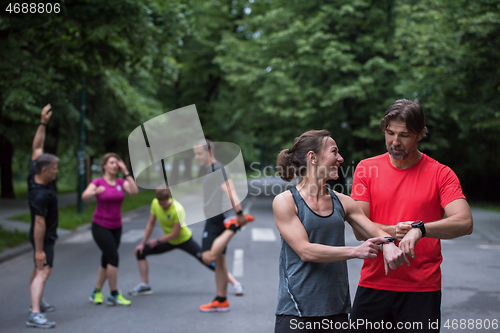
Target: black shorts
(291, 324)
(403, 311)
(214, 226)
(48, 248)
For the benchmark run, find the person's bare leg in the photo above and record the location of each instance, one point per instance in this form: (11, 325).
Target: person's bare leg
(112, 275)
(221, 275)
(32, 275)
(231, 279)
(217, 248)
(143, 270)
(36, 287)
(101, 277)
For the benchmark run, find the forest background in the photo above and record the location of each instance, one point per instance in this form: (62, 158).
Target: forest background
(260, 73)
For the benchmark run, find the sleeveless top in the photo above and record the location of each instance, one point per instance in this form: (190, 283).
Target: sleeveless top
(309, 289)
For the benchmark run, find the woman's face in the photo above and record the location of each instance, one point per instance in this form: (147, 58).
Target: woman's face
(329, 161)
(111, 166)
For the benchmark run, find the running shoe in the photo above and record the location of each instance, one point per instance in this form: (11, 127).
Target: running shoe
(232, 220)
(215, 306)
(118, 300)
(38, 320)
(46, 307)
(96, 298)
(141, 289)
(239, 290)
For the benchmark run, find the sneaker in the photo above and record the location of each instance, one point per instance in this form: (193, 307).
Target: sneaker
(46, 307)
(215, 306)
(96, 298)
(239, 290)
(118, 300)
(39, 320)
(232, 220)
(141, 289)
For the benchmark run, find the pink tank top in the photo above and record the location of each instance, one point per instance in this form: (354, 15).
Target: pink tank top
(108, 212)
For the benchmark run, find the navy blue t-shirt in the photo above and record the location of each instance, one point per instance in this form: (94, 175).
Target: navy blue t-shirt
(43, 202)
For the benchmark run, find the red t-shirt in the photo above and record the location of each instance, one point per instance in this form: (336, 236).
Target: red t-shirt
(397, 195)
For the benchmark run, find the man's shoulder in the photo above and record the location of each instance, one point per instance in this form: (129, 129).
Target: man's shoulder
(434, 164)
(177, 205)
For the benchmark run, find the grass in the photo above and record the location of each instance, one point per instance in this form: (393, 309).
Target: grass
(12, 238)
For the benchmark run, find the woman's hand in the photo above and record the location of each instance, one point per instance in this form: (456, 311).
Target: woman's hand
(370, 248)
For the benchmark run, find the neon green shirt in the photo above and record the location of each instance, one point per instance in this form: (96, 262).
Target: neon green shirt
(175, 213)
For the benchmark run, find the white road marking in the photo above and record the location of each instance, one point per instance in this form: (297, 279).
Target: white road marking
(80, 238)
(132, 236)
(489, 247)
(263, 235)
(238, 263)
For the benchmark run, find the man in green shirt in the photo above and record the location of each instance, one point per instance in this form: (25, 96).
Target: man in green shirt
(171, 216)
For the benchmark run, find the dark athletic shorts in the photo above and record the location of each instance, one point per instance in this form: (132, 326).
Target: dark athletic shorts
(404, 311)
(214, 226)
(291, 324)
(48, 248)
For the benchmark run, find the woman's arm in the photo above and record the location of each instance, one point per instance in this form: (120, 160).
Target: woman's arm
(393, 256)
(293, 232)
(91, 191)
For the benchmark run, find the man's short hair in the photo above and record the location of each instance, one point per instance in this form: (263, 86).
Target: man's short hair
(407, 111)
(163, 193)
(44, 161)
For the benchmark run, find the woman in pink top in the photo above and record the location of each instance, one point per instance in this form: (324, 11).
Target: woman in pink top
(107, 223)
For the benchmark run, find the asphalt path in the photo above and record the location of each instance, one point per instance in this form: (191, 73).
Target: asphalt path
(471, 279)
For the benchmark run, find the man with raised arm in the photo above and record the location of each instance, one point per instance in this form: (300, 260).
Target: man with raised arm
(418, 201)
(42, 200)
(217, 234)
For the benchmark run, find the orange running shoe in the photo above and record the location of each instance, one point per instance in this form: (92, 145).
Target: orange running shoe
(215, 306)
(232, 220)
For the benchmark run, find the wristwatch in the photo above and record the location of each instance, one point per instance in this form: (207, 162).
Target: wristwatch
(420, 225)
(158, 241)
(390, 239)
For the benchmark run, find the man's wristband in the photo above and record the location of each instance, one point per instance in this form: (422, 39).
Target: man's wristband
(40, 123)
(239, 212)
(158, 241)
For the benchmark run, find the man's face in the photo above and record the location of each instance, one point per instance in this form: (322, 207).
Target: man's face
(165, 204)
(50, 172)
(201, 155)
(399, 141)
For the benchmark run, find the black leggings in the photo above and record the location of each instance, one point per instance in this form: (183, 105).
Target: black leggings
(189, 246)
(108, 241)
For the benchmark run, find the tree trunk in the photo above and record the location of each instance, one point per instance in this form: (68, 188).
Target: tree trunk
(6, 168)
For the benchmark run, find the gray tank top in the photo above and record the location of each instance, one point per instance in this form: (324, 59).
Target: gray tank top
(309, 289)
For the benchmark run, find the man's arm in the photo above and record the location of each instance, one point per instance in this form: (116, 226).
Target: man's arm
(458, 222)
(149, 229)
(229, 189)
(39, 138)
(39, 235)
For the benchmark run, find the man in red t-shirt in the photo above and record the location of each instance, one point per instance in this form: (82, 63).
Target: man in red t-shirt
(407, 194)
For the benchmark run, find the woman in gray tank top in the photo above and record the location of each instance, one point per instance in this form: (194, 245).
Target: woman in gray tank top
(313, 293)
